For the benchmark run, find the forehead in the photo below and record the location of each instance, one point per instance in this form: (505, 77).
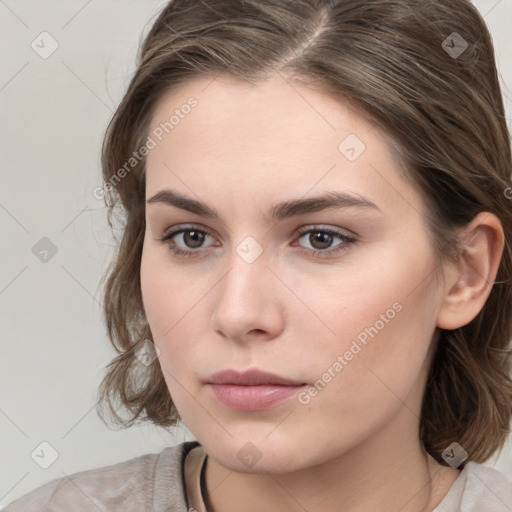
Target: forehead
(275, 113)
(264, 140)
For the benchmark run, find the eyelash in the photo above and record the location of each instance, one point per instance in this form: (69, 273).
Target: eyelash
(167, 239)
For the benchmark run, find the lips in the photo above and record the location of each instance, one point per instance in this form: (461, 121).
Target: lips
(251, 390)
(251, 377)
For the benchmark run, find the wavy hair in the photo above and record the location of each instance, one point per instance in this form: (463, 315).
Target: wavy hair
(424, 71)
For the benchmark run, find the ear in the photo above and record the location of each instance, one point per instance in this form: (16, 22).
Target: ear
(469, 281)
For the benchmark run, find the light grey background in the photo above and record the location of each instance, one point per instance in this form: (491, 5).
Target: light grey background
(53, 115)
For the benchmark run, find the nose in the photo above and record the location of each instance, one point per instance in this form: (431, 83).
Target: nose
(248, 303)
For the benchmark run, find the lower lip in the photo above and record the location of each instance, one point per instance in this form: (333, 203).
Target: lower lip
(252, 398)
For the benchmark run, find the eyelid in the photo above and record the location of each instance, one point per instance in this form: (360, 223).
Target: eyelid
(342, 233)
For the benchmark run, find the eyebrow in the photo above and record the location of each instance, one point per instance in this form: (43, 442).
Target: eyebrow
(283, 210)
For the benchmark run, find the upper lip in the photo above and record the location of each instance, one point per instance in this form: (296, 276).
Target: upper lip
(252, 377)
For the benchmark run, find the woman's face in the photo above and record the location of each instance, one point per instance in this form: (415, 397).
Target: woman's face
(306, 256)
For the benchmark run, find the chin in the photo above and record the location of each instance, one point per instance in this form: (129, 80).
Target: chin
(246, 454)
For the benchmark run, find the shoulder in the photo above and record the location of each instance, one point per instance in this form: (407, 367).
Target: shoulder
(479, 488)
(489, 487)
(149, 482)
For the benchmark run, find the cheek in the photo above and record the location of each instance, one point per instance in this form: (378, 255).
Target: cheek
(368, 378)
(156, 296)
(168, 292)
(381, 323)
(172, 302)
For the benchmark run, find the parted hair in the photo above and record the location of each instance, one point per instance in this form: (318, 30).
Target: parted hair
(424, 71)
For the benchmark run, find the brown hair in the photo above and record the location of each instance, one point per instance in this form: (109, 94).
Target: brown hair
(400, 63)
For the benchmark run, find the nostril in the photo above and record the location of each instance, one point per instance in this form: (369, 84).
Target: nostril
(257, 330)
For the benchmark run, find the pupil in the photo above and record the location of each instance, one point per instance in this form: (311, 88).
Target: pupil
(325, 240)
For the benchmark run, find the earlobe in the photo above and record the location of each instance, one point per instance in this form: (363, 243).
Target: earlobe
(469, 282)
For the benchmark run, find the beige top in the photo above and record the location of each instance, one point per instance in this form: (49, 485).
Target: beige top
(170, 481)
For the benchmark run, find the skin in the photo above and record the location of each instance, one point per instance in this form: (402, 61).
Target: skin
(242, 150)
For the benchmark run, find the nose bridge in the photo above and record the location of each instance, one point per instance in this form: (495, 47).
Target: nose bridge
(246, 298)
(247, 277)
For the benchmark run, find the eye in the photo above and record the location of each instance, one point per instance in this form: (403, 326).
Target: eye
(321, 239)
(183, 238)
(187, 240)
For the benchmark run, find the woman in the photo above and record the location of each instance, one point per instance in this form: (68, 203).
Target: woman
(315, 269)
